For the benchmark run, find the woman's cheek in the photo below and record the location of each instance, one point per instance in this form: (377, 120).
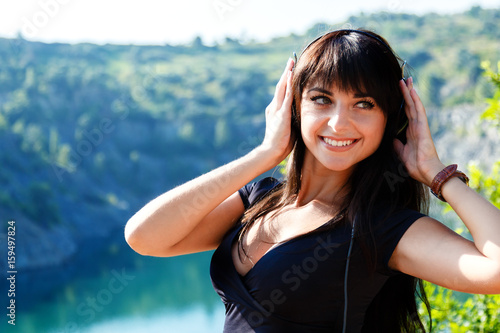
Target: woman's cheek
(310, 125)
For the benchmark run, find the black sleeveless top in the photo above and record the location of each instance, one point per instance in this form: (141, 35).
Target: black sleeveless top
(298, 286)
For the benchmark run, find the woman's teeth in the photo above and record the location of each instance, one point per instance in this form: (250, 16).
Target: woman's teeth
(338, 143)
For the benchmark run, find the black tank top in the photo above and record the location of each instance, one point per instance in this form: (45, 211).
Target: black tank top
(298, 286)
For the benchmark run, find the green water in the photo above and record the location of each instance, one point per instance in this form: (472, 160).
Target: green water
(117, 290)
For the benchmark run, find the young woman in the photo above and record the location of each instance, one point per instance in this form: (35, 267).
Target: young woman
(341, 243)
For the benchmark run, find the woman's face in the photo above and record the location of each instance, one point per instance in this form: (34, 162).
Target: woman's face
(339, 128)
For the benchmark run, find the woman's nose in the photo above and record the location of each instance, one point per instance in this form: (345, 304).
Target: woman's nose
(339, 118)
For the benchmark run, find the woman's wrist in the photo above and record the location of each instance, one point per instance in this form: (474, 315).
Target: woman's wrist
(432, 172)
(444, 176)
(267, 156)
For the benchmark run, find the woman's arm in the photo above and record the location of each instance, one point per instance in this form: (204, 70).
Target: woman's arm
(195, 216)
(431, 251)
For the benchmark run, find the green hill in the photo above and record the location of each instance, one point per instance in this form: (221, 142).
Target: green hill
(90, 133)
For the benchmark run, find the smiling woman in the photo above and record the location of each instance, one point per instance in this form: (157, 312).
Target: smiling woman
(341, 123)
(336, 246)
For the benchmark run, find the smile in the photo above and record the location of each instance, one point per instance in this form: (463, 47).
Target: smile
(335, 143)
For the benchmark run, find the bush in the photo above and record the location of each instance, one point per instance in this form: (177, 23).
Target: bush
(460, 313)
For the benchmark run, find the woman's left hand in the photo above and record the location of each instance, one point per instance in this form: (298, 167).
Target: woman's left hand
(419, 153)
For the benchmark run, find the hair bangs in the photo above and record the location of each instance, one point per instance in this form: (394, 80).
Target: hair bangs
(353, 65)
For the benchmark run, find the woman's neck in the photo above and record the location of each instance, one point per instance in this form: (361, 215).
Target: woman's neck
(321, 184)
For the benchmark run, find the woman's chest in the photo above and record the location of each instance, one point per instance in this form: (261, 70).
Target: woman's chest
(302, 280)
(272, 231)
(301, 271)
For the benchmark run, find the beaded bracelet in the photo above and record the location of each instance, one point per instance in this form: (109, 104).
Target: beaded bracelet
(443, 176)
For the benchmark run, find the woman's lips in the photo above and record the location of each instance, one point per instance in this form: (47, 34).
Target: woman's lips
(339, 144)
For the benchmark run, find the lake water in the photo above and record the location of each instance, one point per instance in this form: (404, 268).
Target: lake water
(113, 289)
(108, 288)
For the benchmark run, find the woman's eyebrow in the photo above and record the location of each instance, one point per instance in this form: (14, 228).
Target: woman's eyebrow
(324, 91)
(361, 95)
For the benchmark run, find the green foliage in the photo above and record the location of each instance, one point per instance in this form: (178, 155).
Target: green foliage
(457, 312)
(487, 185)
(492, 113)
(461, 313)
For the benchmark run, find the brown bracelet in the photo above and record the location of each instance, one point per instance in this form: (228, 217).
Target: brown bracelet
(443, 176)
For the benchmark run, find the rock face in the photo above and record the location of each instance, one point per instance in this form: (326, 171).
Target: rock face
(462, 137)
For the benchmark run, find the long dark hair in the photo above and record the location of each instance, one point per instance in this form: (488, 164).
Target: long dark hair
(360, 61)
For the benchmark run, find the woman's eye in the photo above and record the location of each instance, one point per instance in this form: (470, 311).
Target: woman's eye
(365, 105)
(321, 99)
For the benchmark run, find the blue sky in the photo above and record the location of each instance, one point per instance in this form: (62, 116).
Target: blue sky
(179, 21)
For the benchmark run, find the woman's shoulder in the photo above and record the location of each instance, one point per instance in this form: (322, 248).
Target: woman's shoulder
(388, 225)
(389, 220)
(384, 211)
(253, 192)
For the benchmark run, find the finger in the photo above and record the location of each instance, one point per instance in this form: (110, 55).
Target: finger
(417, 102)
(419, 106)
(410, 80)
(281, 85)
(289, 64)
(288, 67)
(287, 102)
(409, 83)
(411, 113)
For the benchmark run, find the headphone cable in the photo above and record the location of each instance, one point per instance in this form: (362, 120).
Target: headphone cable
(344, 325)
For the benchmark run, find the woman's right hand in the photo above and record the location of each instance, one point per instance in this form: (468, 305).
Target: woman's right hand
(278, 141)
